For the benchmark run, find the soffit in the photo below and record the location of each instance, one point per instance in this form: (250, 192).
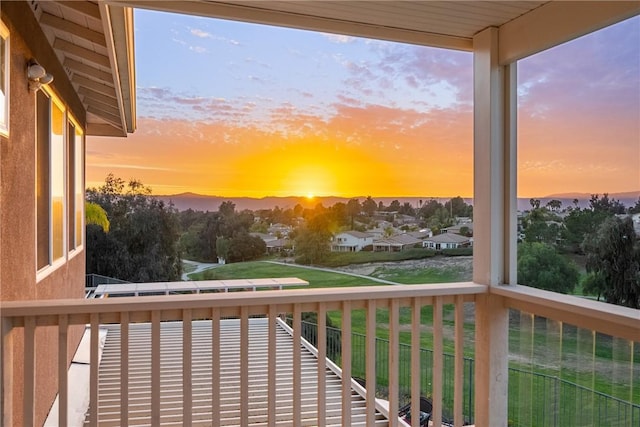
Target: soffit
(446, 24)
(76, 32)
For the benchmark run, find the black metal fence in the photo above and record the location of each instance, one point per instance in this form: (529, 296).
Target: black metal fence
(93, 280)
(536, 399)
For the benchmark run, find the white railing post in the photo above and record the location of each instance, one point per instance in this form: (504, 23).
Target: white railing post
(371, 361)
(93, 368)
(437, 362)
(6, 372)
(346, 363)
(63, 389)
(322, 363)
(394, 361)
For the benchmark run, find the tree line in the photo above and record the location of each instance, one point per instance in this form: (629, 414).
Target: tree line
(602, 233)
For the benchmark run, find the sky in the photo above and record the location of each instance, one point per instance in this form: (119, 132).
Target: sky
(233, 109)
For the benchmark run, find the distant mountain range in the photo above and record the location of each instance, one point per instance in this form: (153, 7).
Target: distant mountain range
(201, 202)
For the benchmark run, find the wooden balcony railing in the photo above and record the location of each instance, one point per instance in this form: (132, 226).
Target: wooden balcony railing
(20, 320)
(25, 317)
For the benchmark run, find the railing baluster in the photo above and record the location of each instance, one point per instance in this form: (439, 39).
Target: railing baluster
(6, 372)
(458, 381)
(271, 369)
(415, 361)
(437, 361)
(63, 387)
(93, 369)
(394, 354)
(244, 366)
(322, 363)
(29, 371)
(370, 375)
(297, 366)
(187, 346)
(215, 367)
(346, 363)
(124, 369)
(155, 368)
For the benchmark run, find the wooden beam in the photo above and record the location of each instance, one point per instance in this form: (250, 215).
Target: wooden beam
(72, 28)
(85, 7)
(103, 129)
(115, 120)
(108, 100)
(103, 108)
(94, 85)
(81, 52)
(558, 22)
(87, 70)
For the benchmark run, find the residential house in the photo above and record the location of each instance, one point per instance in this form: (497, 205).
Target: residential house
(87, 47)
(458, 227)
(350, 241)
(446, 241)
(265, 237)
(395, 243)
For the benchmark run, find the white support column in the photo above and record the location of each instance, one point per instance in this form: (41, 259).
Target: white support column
(494, 222)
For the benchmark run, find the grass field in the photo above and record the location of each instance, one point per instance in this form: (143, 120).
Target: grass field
(338, 259)
(259, 269)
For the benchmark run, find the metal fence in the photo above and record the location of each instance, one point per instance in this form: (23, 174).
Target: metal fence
(93, 280)
(542, 400)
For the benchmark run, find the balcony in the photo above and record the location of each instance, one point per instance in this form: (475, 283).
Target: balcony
(228, 358)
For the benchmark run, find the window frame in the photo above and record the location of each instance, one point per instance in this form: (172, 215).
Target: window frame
(4, 75)
(79, 172)
(69, 226)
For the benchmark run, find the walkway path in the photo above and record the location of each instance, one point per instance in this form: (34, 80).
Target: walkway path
(329, 270)
(200, 267)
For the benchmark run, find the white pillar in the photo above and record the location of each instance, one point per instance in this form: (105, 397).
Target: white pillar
(494, 213)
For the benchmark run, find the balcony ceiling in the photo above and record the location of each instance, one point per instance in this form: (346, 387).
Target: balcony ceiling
(94, 39)
(81, 35)
(529, 26)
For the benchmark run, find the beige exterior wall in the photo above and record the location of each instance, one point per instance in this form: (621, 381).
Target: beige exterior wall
(18, 206)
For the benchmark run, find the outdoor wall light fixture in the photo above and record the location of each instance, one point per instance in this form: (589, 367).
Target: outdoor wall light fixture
(37, 76)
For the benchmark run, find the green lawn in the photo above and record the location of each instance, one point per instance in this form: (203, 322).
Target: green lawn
(259, 269)
(338, 259)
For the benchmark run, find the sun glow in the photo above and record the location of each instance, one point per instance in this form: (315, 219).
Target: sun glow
(310, 195)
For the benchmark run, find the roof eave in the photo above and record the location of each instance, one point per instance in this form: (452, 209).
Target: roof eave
(119, 32)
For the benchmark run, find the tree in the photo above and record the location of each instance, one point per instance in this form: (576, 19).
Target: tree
(369, 206)
(312, 241)
(613, 261)
(636, 208)
(94, 214)
(554, 205)
(142, 243)
(540, 266)
(244, 247)
(227, 208)
(394, 206)
(222, 247)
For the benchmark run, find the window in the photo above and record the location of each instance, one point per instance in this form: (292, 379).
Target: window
(59, 182)
(4, 79)
(75, 182)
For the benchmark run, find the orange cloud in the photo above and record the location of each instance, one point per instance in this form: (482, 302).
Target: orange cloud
(371, 150)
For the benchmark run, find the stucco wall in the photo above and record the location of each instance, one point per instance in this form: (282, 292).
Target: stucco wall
(17, 208)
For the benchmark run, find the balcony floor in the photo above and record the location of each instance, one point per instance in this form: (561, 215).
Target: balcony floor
(171, 378)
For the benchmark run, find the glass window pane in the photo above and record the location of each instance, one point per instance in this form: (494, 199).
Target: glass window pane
(4, 78)
(42, 179)
(79, 186)
(71, 176)
(57, 180)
